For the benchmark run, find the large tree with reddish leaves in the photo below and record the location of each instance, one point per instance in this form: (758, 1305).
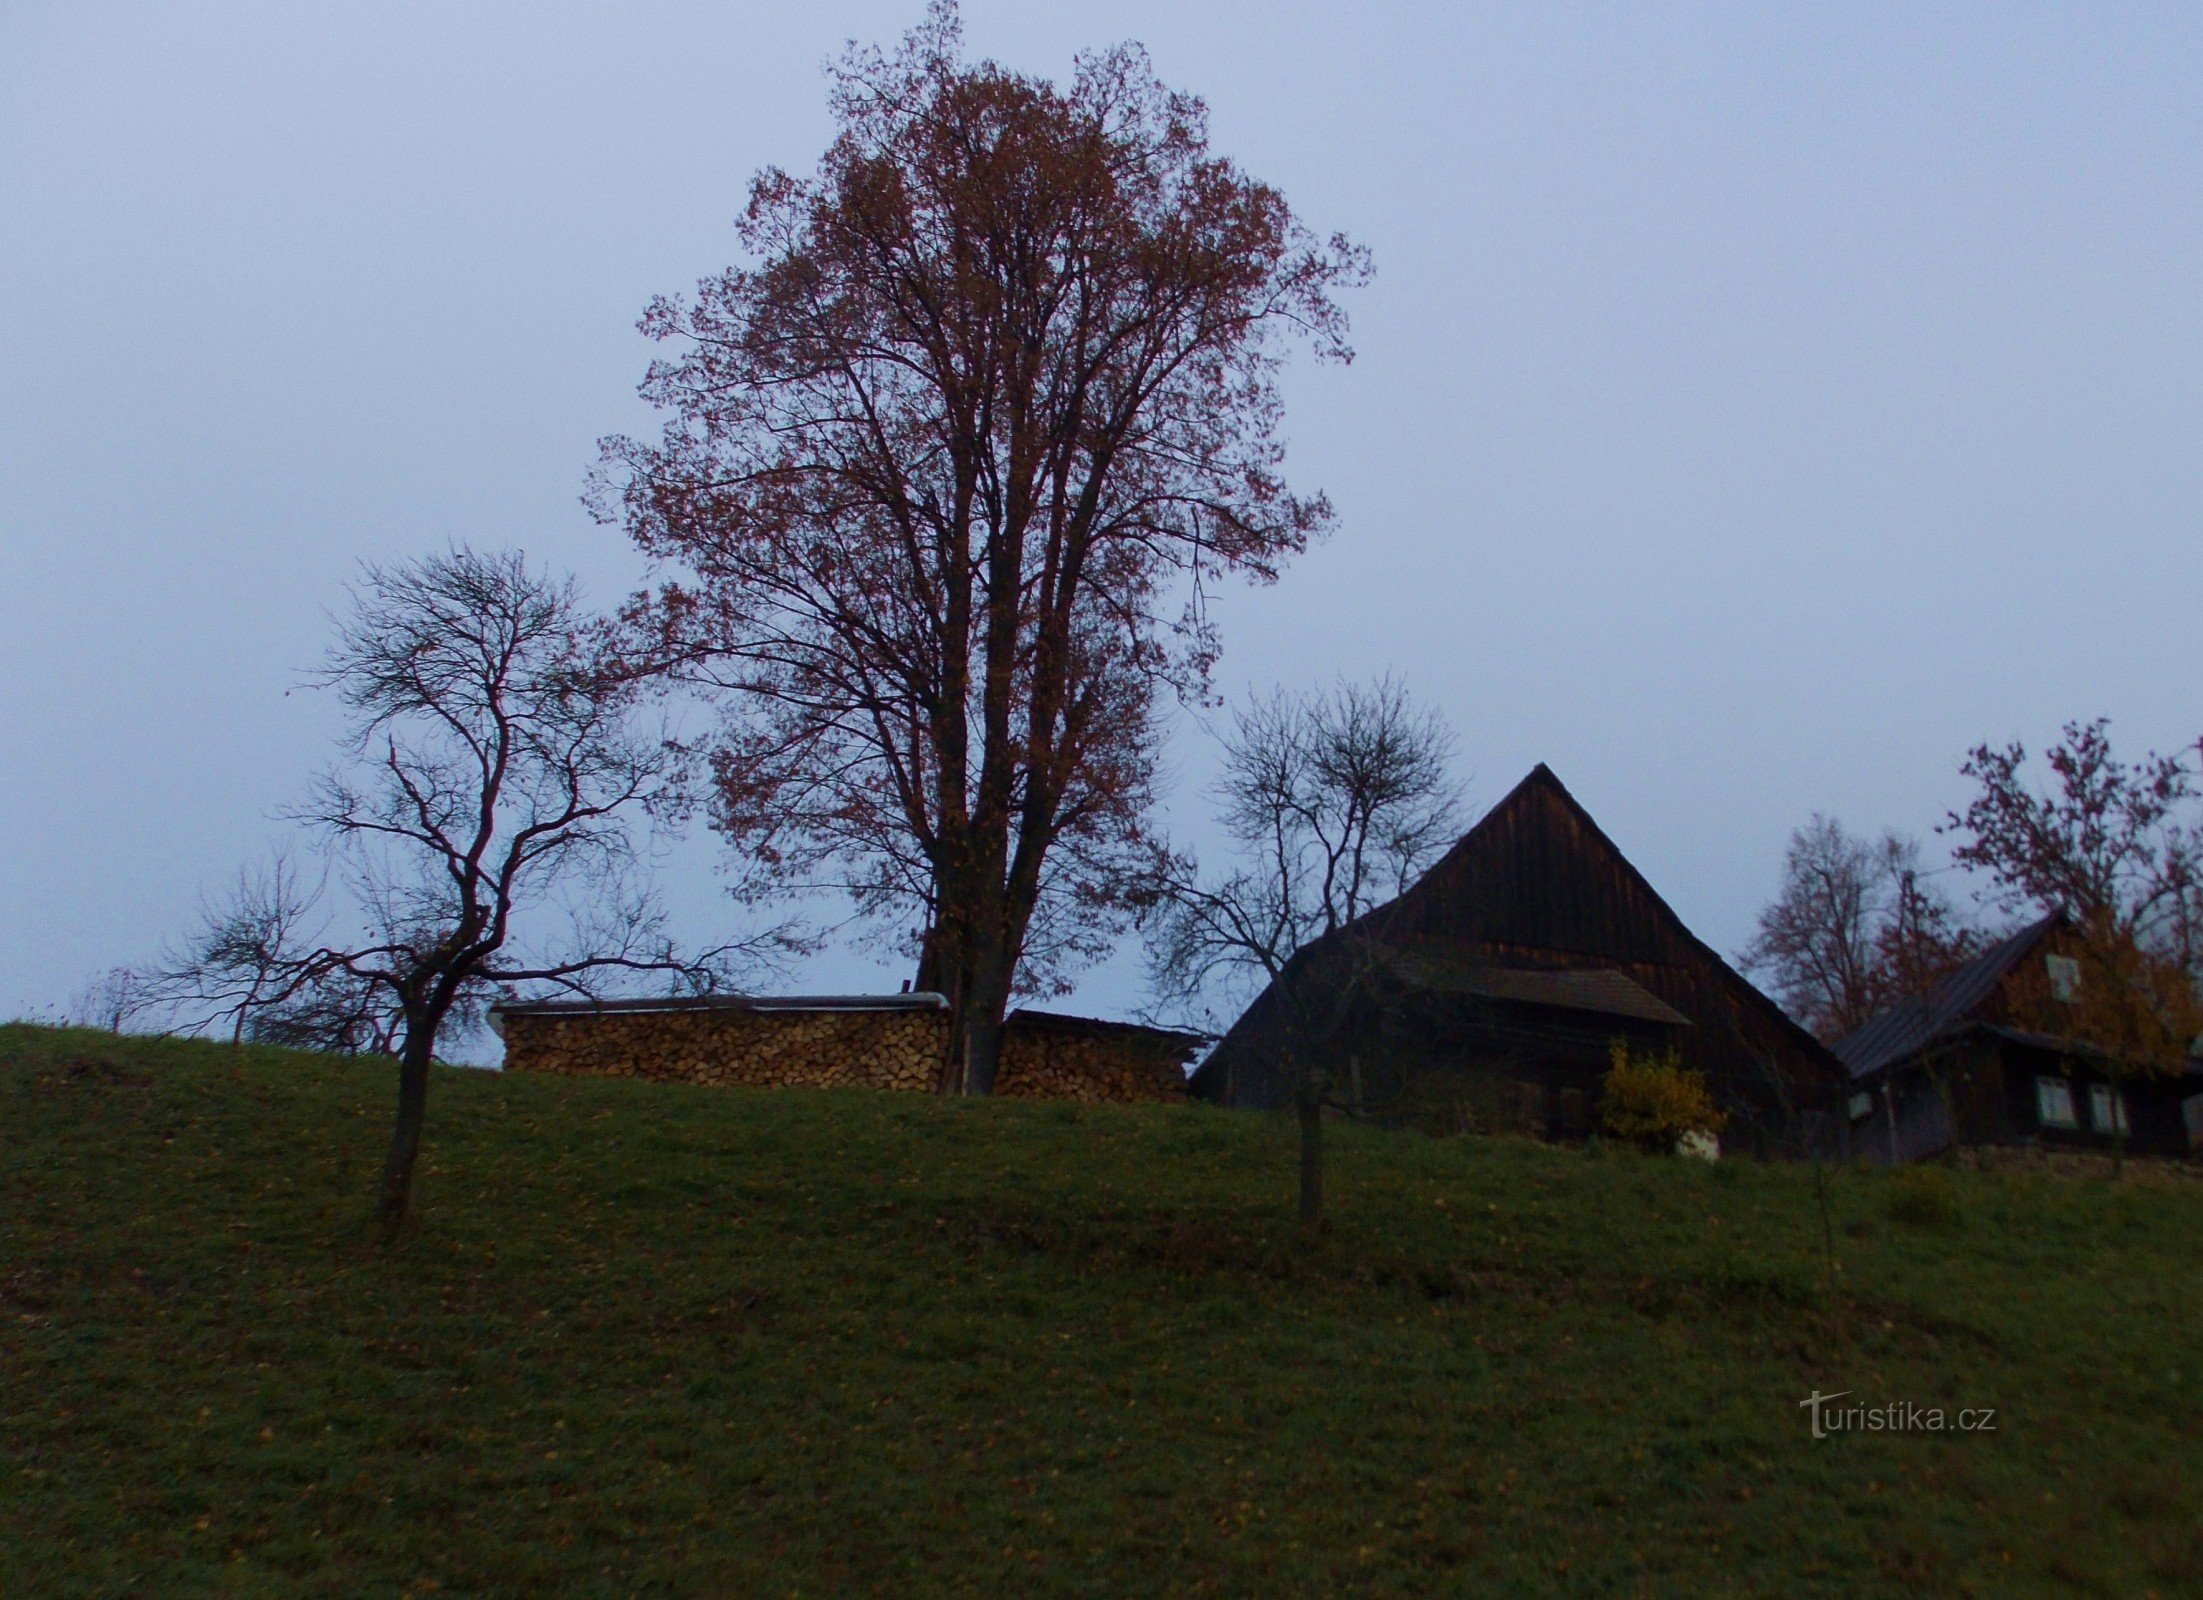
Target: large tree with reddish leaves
(2117, 845)
(947, 465)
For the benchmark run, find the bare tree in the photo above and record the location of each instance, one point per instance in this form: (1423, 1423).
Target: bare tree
(1816, 939)
(479, 824)
(242, 959)
(996, 398)
(338, 1013)
(1855, 927)
(1334, 803)
(1921, 935)
(114, 999)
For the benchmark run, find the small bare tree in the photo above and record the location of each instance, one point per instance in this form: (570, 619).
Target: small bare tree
(1334, 802)
(114, 999)
(480, 825)
(241, 961)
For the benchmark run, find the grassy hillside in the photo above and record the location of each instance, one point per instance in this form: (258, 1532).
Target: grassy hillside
(650, 1340)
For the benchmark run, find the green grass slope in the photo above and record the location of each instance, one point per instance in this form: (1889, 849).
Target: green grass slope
(665, 1341)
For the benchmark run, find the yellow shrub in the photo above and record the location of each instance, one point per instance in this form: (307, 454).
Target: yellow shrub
(1923, 1197)
(1654, 1101)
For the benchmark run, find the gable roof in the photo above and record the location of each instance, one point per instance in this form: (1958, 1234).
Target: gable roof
(1949, 1006)
(1543, 790)
(1537, 886)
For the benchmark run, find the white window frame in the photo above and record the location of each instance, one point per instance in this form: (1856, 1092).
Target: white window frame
(2107, 1109)
(2065, 978)
(2050, 1092)
(1862, 1106)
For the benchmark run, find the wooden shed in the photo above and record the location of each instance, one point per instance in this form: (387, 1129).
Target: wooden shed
(1489, 995)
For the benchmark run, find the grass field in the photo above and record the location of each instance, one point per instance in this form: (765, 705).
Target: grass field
(667, 1341)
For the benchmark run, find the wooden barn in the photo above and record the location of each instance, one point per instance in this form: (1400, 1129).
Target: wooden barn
(1956, 1066)
(1488, 996)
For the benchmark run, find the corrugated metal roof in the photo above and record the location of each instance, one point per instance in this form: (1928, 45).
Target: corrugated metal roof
(1945, 1010)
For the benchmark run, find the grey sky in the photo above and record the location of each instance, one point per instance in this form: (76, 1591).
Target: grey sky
(1755, 406)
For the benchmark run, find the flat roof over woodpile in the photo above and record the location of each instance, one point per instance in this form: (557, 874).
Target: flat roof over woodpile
(921, 1001)
(1063, 1022)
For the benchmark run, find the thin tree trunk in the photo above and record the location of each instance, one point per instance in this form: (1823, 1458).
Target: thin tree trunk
(405, 1136)
(1828, 1221)
(1310, 1108)
(2118, 1126)
(1939, 1075)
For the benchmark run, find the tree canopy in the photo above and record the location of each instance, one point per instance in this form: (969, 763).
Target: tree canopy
(946, 467)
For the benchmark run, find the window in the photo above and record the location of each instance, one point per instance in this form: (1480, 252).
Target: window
(1862, 1106)
(2054, 1103)
(2107, 1108)
(2065, 978)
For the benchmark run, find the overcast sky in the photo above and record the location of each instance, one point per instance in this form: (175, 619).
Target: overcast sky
(1755, 406)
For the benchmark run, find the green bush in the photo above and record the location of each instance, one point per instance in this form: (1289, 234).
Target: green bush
(1655, 1101)
(1923, 1197)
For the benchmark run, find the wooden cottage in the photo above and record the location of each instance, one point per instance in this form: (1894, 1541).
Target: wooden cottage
(1956, 1065)
(1490, 994)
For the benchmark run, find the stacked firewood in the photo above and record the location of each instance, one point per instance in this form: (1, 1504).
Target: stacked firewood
(816, 1049)
(887, 1049)
(1043, 1064)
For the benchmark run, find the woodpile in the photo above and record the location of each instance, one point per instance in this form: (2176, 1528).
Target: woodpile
(1042, 1057)
(813, 1049)
(1044, 1063)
